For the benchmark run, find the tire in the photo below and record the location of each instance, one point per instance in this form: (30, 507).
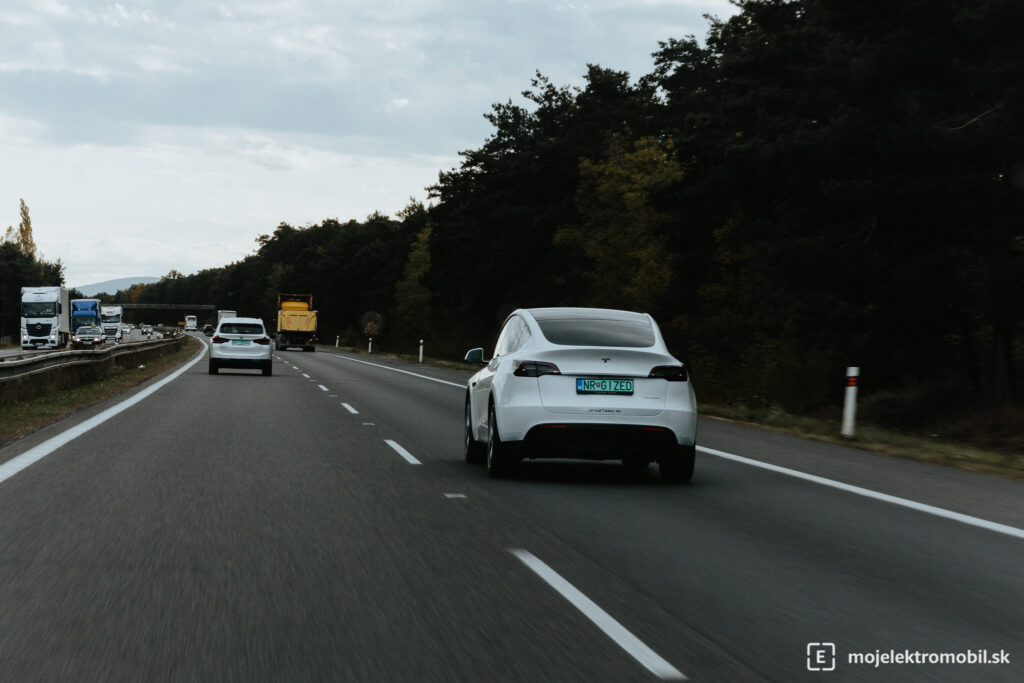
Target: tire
(309, 348)
(500, 462)
(213, 367)
(268, 369)
(678, 467)
(474, 449)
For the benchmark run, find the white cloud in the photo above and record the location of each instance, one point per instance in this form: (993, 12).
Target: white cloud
(396, 104)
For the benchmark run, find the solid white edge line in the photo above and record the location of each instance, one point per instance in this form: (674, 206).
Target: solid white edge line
(37, 453)
(402, 452)
(350, 409)
(404, 372)
(604, 621)
(868, 493)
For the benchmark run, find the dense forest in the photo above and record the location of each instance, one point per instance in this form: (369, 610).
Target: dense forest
(815, 184)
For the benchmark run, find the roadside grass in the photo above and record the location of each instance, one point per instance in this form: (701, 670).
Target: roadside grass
(1004, 458)
(23, 417)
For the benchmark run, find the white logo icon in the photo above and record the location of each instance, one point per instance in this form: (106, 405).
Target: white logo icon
(821, 656)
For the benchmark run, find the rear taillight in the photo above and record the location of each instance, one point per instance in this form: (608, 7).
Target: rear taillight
(217, 339)
(535, 368)
(673, 373)
(264, 341)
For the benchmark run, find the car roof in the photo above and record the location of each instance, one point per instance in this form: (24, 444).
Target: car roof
(240, 320)
(567, 313)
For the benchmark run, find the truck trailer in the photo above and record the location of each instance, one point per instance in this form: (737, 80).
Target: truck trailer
(296, 322)
(45, 318)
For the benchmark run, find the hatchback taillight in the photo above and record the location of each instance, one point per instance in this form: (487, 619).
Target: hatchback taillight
(217, 339)
(264, 341)
(673, 373)
(535, 368)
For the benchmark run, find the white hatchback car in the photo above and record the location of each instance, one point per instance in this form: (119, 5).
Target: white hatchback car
(586, 383)
(241, 343)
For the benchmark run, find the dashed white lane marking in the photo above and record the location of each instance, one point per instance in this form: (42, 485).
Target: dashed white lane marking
(305, 375)
(404, 372)
(33, 455)
(402, 452)
(322, 387)
(604, 621)
(368, 424)
(350, 409)
(868, 493)
(455, 495)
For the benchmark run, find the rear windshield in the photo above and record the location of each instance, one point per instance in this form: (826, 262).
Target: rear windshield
(598, 333)
(241, 328)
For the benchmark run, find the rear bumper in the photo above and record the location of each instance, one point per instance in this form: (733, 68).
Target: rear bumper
(251, 363)
(523, 423)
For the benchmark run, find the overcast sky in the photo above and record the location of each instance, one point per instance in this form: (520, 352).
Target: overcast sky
(156, 135)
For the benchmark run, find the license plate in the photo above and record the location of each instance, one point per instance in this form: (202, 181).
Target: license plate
(240, 342)
(593, 385)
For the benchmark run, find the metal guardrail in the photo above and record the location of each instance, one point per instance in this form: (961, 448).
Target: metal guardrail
(25, 366)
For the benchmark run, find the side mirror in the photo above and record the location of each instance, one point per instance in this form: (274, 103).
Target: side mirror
(475, 356)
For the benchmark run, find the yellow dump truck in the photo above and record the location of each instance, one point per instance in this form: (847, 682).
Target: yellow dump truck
(296, 322)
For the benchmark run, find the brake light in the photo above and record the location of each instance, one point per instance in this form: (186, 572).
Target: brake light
(672, 373)
(264, 341)
(535, 368)
(217, 339)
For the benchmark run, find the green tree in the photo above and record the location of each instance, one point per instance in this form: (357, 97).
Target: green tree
(620, 232)
(412, 298)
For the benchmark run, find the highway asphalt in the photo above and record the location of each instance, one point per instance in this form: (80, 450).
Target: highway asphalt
(321, 524)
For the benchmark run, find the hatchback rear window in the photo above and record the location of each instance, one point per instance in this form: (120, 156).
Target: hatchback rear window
(241, 328)
(598, 333)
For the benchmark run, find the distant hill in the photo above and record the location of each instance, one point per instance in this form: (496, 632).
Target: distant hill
(112, 286)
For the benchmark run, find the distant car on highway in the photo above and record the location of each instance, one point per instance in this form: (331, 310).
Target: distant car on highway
(587, 383)
(88, 337)
(208, 330)
(147, 330)
(241, 343)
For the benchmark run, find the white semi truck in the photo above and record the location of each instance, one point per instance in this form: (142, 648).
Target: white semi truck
(45, 318)
(110, 320)
(190, 323)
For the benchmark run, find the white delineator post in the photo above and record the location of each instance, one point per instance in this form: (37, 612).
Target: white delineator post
(369, 349)
(850, 402)
(421, 350)
(336, 340)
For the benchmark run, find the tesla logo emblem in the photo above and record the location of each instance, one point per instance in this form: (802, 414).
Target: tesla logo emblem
(605, 360)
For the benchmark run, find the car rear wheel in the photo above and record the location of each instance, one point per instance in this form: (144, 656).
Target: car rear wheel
(499, 461)
(268, 369)
(474, 449)
(213, 367)
(678, 467)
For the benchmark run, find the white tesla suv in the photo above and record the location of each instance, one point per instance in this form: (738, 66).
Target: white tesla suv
(586, 383)
(241, 343)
